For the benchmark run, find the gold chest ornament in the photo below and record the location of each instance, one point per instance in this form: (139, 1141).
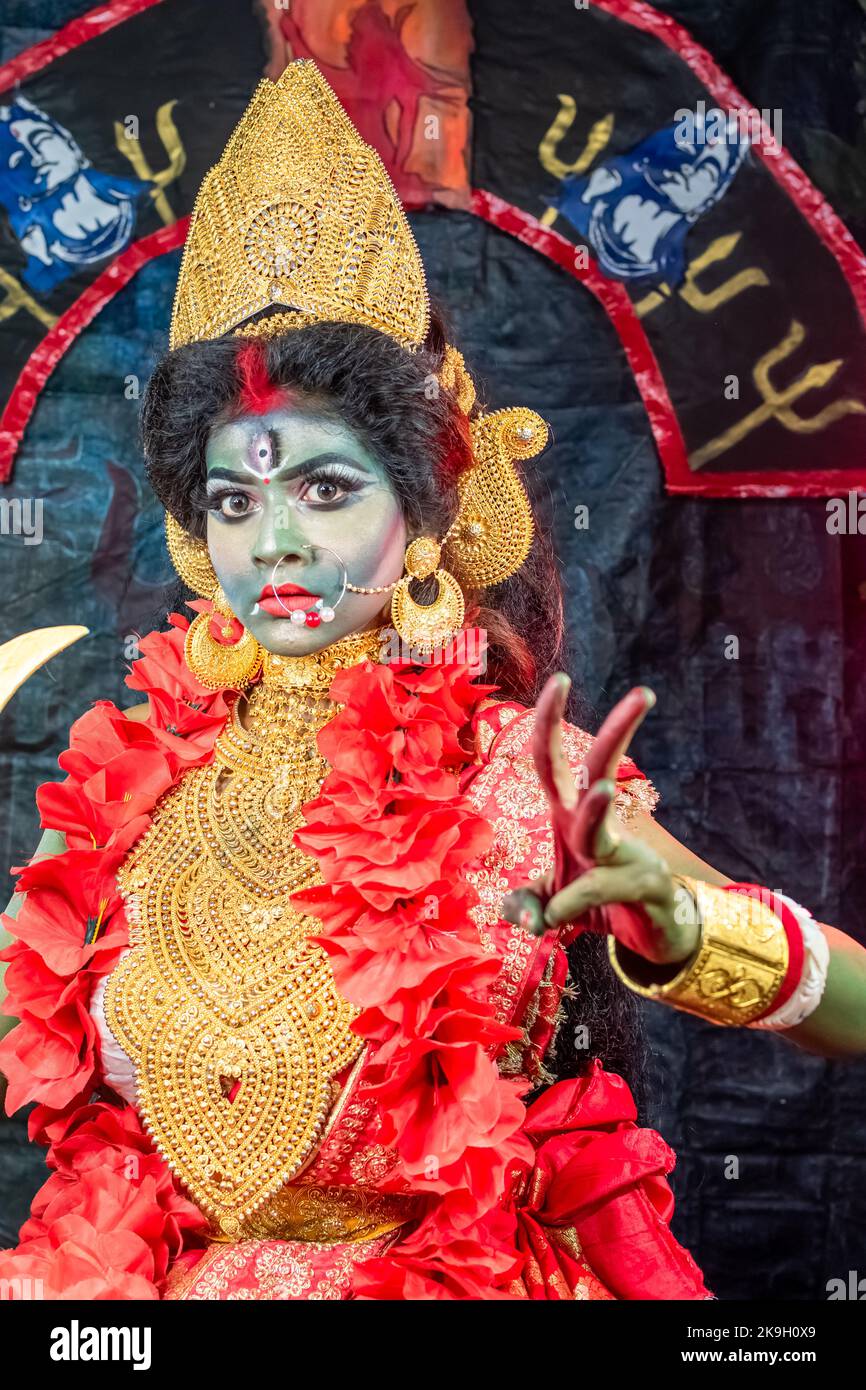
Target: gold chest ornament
(225, 1003)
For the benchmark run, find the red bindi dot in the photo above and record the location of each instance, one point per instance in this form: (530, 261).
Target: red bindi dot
(267, 482)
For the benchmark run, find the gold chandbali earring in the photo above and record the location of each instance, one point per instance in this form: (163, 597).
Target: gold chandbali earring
(427, 626)
(215, 665)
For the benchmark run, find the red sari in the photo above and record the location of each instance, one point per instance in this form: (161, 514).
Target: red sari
(567, 1198)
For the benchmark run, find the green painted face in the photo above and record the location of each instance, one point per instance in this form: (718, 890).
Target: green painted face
(285, 490)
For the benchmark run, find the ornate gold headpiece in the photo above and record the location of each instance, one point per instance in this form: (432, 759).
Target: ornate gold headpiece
(300, 213)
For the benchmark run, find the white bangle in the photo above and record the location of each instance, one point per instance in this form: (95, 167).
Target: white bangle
(816, 962)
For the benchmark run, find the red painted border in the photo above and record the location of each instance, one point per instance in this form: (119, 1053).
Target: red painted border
(612, 295)
(42, 361)
(72, 35)
(785, 170)
(812, 205)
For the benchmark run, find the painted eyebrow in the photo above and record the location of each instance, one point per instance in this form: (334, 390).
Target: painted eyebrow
(232, 475)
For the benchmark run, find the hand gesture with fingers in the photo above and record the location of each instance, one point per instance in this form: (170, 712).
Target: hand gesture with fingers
(601, 879)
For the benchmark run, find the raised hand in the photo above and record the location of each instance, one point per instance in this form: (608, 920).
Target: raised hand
(601, 880)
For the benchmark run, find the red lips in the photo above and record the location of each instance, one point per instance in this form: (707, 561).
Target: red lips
(275, 601)
(282, 589)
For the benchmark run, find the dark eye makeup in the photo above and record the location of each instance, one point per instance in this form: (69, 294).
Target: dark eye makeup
(233, 503)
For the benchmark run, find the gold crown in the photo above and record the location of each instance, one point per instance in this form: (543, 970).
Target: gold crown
(299, 212)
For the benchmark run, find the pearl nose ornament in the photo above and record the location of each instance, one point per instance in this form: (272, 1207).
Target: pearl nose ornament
(320, 612)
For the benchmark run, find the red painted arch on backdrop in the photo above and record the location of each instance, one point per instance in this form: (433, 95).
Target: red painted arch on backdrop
(785, 170)
(72, 35)
(59, 338)
(614, 298)
(811, 204)
(43, 360)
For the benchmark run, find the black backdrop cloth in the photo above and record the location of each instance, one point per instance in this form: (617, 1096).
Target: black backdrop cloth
(760, 760)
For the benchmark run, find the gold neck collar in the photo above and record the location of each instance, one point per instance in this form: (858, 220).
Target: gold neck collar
(227, 1003)
(316, 671)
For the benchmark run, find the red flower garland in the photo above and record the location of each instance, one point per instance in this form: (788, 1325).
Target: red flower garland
(393, 836)
(110, 1218)
(109, 1221)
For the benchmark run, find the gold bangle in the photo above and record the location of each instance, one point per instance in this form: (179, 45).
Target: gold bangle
(739, 965)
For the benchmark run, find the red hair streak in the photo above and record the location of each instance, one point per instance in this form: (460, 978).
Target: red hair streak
(257, 393)
(458, 451)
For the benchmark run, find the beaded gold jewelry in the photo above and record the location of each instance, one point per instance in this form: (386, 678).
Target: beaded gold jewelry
(454, 377)
(225, 1003)
(379, 588)
(739, 965)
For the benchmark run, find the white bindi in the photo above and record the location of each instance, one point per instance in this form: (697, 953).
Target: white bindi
(260, 455)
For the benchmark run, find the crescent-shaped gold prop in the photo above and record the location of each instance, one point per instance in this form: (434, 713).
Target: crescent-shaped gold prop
(22, 655)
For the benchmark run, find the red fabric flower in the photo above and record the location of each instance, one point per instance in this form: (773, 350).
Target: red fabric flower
(35, 987)
(116, 772)
(420, 719)
(52, 1060)
(71, 897)
(117, 1126)
(397, 857)
(80, 1262)
(118, 767)
(433, 1264)
(50, 1056)
(109, 1220)
(393, 978)
(597, 1171)
(455, 1121)
(182, 711)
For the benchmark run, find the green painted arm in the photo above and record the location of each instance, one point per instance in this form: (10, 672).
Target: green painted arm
(837, 1027)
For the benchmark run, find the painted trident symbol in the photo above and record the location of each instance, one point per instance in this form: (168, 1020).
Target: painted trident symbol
(777, 404)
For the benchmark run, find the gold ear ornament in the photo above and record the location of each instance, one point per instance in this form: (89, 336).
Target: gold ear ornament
(492, 533)
(190, 558)
(215, 665)
(221, 665)
(454, 376)
(427, 626)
